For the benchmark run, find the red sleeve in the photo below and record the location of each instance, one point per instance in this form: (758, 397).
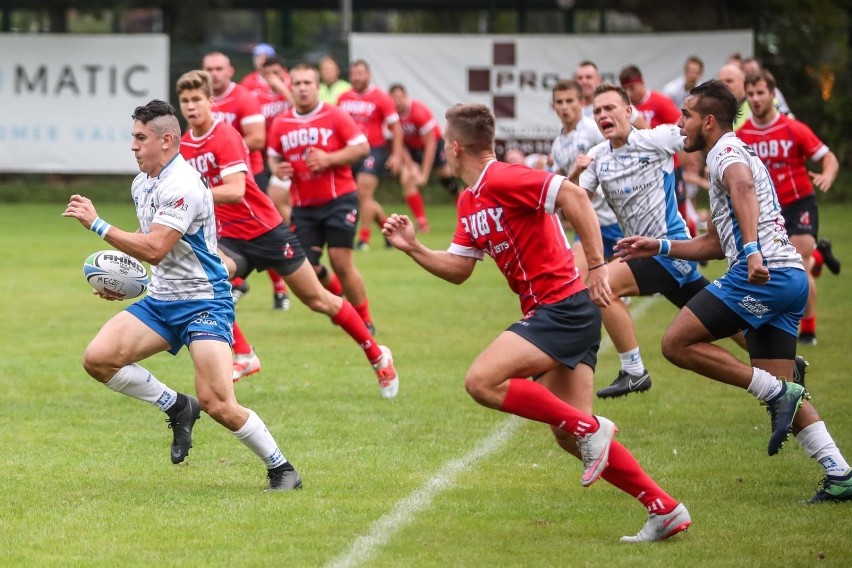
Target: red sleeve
(805, 138)
(249, 104)
(461, 237)
(230, 148)
(387, 107)
(521, 187)
(273, 137)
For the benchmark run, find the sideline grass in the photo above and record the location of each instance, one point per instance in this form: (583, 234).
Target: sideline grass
(87, 481)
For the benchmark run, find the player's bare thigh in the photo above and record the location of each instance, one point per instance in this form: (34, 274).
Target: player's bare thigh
(123, 340)
(214, 384)
(508, 356)
(621, 279)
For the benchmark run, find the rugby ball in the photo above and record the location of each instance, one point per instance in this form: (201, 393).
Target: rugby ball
(113, 272)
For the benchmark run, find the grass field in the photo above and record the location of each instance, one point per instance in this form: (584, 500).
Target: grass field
(428, 479)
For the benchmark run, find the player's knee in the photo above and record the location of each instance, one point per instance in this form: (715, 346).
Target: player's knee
(478, 388)
(222, 411)
(673, 348)
(99, 364)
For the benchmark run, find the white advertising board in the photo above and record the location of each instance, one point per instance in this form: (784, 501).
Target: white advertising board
(66, 100)
(514, 74)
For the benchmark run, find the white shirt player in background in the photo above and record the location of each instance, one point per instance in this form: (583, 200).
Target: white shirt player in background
(189, 301)
(635, 169)
(763, 292)
(678, 89)
(588, 77)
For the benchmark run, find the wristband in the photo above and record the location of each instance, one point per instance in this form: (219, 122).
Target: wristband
(750, 249)
(665, 246)
(598, 266)
(100, 227)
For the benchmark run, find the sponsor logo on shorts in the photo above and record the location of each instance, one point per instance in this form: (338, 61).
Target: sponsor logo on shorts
(204, 318)
(754, 306)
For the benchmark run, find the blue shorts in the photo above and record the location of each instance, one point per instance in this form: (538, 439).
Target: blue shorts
(569, 331)
(610, 235)
(181, 321)
(684, 271)
(779, 303)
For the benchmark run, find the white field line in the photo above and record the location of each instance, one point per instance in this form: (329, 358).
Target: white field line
(383, 530)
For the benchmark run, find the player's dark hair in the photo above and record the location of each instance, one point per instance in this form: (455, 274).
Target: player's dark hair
(306, 67)
(715, 98)
(607, 87)
(273, 60)
(360, 62)
(587, 63)
(629, 74)
(396, 87)
(472, 125)
(152, 110)
(567, 85)
(192, 80)
(764, 75)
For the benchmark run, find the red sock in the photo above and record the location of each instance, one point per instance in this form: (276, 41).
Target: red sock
(241, 345)
(278, 284)
(625, 473)
(238, 282)
(816, 269)
(364, 311)
(351, 322)
(364, 235)
(530, 400)
(415, 202)
(334, 286)
(381, 222)
(808, 325)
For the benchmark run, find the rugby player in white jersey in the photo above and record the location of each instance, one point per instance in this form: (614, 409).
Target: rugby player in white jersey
(188, 303)
(763, 292)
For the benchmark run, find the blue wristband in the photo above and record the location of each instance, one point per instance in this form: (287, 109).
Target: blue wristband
(100, 227)
(665, 246)
(750, 249)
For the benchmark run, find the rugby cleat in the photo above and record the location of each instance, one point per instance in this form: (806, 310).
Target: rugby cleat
(281, 301)
(782, 410)
(386, 374)
(661, 527)
(594, 450)
(834, 488)
(245, 365)
(799, 371)
(283, 478)
(626, 383)
(824, 246)
(239, 291)
(181, 427)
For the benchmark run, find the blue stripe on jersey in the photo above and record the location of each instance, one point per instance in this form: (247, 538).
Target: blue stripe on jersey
(210, 263)
(675, 226)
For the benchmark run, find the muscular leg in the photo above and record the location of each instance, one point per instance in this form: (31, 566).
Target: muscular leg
(344, 267)
(616, 317)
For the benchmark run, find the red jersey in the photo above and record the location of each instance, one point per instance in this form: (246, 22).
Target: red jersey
(784, 145)
(238, 107)
(373, 111)
(416, 123)
(658, 109)
(254, 82)
(294, 135)
(222, 152)
(509, 214)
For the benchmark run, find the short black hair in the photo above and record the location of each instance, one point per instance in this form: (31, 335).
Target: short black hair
(397, 87)
(714, 97)
(152, 110)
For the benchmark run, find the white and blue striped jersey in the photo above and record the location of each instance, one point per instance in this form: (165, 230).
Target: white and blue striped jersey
(772, 237)
(567, 146)
(179, 199)
(638, 182)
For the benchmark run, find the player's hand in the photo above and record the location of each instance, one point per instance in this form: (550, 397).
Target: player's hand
(394, 163)
(758, 273)
(629, 248)
(317, 160)
(284, 170)
(399, 231)
(579, 166)
(598, 284)
(821, 181)
(107, 296)
(81, 208)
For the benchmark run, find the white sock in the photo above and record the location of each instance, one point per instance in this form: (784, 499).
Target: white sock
(819, 444)
(135, 381)
(257, 438)
(763, 385)
(631, 362)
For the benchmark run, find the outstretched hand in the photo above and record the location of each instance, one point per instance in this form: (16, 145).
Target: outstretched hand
(399, 230)
(82, 209)
(629, 248)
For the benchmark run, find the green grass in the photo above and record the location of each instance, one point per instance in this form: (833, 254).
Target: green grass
(87, 479)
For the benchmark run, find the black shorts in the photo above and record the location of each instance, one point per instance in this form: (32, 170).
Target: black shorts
(569, 331)
(278, 249)
(440, 155)
(765, 342)
(652, 278)
(802, 217)
(373, 164)
(262, 180)
(332, 224)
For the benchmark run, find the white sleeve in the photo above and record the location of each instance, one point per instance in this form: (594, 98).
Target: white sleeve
(179, 204)
(589, 177)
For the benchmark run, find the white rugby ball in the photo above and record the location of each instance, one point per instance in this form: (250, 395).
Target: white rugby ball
(114, 272)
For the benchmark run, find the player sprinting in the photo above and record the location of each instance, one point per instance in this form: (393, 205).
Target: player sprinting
(251, 231)
(188, 303)
(508, 212)
(763, 292)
